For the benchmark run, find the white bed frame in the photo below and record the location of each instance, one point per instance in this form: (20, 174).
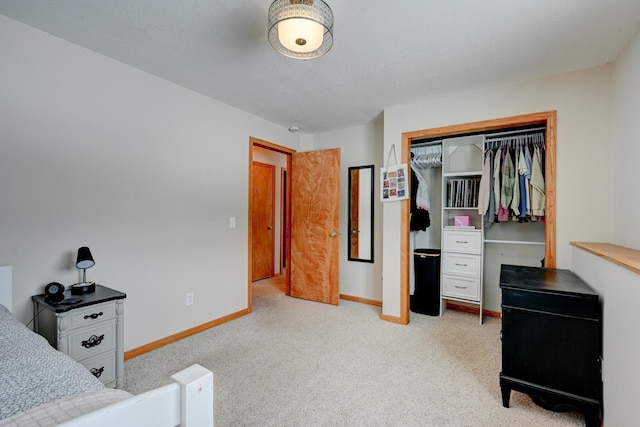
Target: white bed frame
(187, 402)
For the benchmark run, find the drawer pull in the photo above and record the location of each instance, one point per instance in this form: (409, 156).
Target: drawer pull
(93, 316)
(461, 265)
(459, 287)
(463, 242)
(93, 341)
(97, 372)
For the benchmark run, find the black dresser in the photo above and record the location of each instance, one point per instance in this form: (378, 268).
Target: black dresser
(551, 340)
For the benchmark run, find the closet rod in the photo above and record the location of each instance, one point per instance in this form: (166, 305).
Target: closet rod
(514, 242)
(426, 144)
(513, 132)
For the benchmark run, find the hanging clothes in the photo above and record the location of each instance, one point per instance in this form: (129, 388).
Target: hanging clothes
(503, 212)
(422, 190)
(490, 216)
(522, 181)
(537, 186)
(513, 174)
(497, 173)
(515, 201)
(420, 219)
(485, 190)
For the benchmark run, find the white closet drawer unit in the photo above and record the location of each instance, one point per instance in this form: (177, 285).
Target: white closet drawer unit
(469, 241)
(467, 288)
(462, 264)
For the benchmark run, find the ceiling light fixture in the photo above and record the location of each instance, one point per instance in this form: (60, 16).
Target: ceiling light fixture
(301, 29)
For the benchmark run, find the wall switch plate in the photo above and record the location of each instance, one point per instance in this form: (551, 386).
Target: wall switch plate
(232, 222)
(189, 300)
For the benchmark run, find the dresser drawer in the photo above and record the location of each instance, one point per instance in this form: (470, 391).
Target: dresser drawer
(92, 314)
(463, 241)
(89, 342)
(461, 287)
(466, 265)
(102, 367)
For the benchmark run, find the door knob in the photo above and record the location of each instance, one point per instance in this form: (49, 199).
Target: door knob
(333, 234)
(269, 228)
(354, 231)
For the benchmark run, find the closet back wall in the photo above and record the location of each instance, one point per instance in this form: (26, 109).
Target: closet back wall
(583, 104)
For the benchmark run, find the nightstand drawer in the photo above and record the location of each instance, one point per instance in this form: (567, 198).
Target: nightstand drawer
(102, 367)
(467, 265)
(461, 287)
(88, 342)
(463, 241)
(92, 314)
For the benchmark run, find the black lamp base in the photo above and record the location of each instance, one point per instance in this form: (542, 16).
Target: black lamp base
(83, 288)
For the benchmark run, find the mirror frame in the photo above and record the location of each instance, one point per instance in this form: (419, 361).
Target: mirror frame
(350, 256)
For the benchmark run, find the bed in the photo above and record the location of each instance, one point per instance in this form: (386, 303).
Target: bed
(40, 386)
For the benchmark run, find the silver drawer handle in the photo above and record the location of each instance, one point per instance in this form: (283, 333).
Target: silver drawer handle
(462, 242)
(459, 287)
(461, 265)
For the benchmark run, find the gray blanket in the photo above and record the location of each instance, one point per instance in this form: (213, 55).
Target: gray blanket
(32, 372)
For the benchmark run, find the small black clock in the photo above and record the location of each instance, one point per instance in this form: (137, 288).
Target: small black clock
(54, 292)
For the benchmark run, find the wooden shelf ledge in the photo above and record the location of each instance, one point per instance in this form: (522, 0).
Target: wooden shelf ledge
(624, 257)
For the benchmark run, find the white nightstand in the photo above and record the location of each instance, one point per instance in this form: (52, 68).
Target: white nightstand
(90, 331)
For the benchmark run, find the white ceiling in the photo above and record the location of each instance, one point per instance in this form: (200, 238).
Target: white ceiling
(385, 53)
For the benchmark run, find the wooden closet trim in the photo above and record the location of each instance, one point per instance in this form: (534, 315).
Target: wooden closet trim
(547, 118)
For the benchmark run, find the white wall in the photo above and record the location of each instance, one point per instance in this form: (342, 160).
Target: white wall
(359, 146)
(619, 289)
(626, 146)
(144, 172)
(583, 181)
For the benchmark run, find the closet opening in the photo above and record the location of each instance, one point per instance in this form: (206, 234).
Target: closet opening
(452, 159)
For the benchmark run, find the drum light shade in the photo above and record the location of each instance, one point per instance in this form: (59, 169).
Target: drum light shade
(301, 29)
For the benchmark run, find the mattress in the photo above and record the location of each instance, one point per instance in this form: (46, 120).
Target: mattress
(32, 374)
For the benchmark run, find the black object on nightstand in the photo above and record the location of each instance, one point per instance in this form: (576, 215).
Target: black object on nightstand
(89, 328)
(551, 340)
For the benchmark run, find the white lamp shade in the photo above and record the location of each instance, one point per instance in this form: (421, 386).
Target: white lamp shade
(300, 35)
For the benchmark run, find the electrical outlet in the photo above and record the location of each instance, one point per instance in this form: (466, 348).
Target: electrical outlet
(232, 222)
(189, 298)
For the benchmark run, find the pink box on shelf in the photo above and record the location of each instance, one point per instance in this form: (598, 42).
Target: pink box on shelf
(459, 221)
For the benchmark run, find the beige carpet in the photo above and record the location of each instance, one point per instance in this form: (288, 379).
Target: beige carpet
(298, 363)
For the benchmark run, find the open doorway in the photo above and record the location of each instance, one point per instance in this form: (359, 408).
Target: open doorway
(270, 160)
(311, 222)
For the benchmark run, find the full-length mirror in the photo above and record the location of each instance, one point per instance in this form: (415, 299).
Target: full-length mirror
(361, 213)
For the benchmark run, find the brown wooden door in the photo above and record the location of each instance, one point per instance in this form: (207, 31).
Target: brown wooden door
(262, 217)
(315, 225)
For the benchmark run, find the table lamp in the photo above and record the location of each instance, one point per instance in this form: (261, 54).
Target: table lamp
(84, 261)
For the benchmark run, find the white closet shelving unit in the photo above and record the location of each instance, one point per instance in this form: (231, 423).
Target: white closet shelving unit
(462, 246)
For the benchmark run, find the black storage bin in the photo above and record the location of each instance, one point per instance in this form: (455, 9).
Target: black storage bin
(426, 295)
